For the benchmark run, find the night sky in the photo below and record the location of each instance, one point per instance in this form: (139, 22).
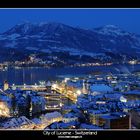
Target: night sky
(127, 19)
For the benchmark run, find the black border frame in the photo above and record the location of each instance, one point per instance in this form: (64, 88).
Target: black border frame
(70, 4)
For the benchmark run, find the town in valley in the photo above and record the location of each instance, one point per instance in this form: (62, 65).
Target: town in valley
(74, 69)
(96, 101)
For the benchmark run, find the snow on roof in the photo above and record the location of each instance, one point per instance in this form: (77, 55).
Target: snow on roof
(17, 122)
(133, 102)
(113, 95)
(109, 117)
(48, 84)
(73, 106)
(115, 115)
(100, 88)
(62, 125)
(94, 111)
(4, 98)
(68, 107)
(37, 99)
(70, 115)
(36, 121)
(9, 91)
(66, 125)
(118, 113)
(87, 126)
(136, 92)
(52, 115)
(83, 100)
(55, 125)
(77, 84)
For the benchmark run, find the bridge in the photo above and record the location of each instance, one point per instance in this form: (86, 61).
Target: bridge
(40, 88)
(52, 108)
(67, 93)
(30, 87)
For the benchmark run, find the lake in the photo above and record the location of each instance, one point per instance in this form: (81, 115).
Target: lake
(30, 75)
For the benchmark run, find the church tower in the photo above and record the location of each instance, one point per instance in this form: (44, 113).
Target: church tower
(6, 85)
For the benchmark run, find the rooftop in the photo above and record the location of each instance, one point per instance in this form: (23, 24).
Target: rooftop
(101, 88)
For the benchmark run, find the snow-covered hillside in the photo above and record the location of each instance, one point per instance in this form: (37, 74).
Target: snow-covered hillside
(56, 37)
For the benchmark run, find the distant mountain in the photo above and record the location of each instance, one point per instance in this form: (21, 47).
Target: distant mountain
(105, 43)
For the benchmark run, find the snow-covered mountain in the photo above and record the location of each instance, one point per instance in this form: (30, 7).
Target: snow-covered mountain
(104, 42)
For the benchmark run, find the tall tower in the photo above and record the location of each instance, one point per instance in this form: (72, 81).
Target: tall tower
(48, 87)
(89, 92)
(6, 85)
(84, 89)
(88, 88)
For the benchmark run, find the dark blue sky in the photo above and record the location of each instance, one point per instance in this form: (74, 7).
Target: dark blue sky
(128, 19)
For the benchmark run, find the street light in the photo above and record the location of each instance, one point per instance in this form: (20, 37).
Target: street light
(24, 85)
(61, 104)
(78, 92)
(54, 86)
(35, 85)
(66, 79)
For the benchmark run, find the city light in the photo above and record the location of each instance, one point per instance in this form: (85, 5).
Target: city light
(66, 79)
(54, 86)
(73, 93)
(35, 85)
(122, 99)
(78, 92)
(42, 82)
(61, 104)
(4, 110)
(24, 85)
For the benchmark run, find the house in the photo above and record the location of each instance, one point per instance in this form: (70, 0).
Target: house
(71, 116)
(38, 104)
(135, 117)
(102, 88)
(20, 123)
(51, 117)
(122, 86)
(63, 125)
(89, 126)
(117, 120)
(94, 116)
(4, 110)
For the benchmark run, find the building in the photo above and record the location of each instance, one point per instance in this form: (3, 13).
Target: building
(135, 115)
(48, 87)
(70, 117)
(84, 88)
(102, 88)
(94, 117)
(117, 120)
(122, 87)
(6, 85)
(89, 126)
(52, 117)
(18, 123)
(4, 110)
(37, 104)
(63, 125)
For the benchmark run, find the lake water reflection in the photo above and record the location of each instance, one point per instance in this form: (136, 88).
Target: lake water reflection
(30, 75)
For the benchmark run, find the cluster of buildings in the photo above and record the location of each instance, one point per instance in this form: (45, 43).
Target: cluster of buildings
(98, 102)
(22, 102)
(106, 101)
(34, 60)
